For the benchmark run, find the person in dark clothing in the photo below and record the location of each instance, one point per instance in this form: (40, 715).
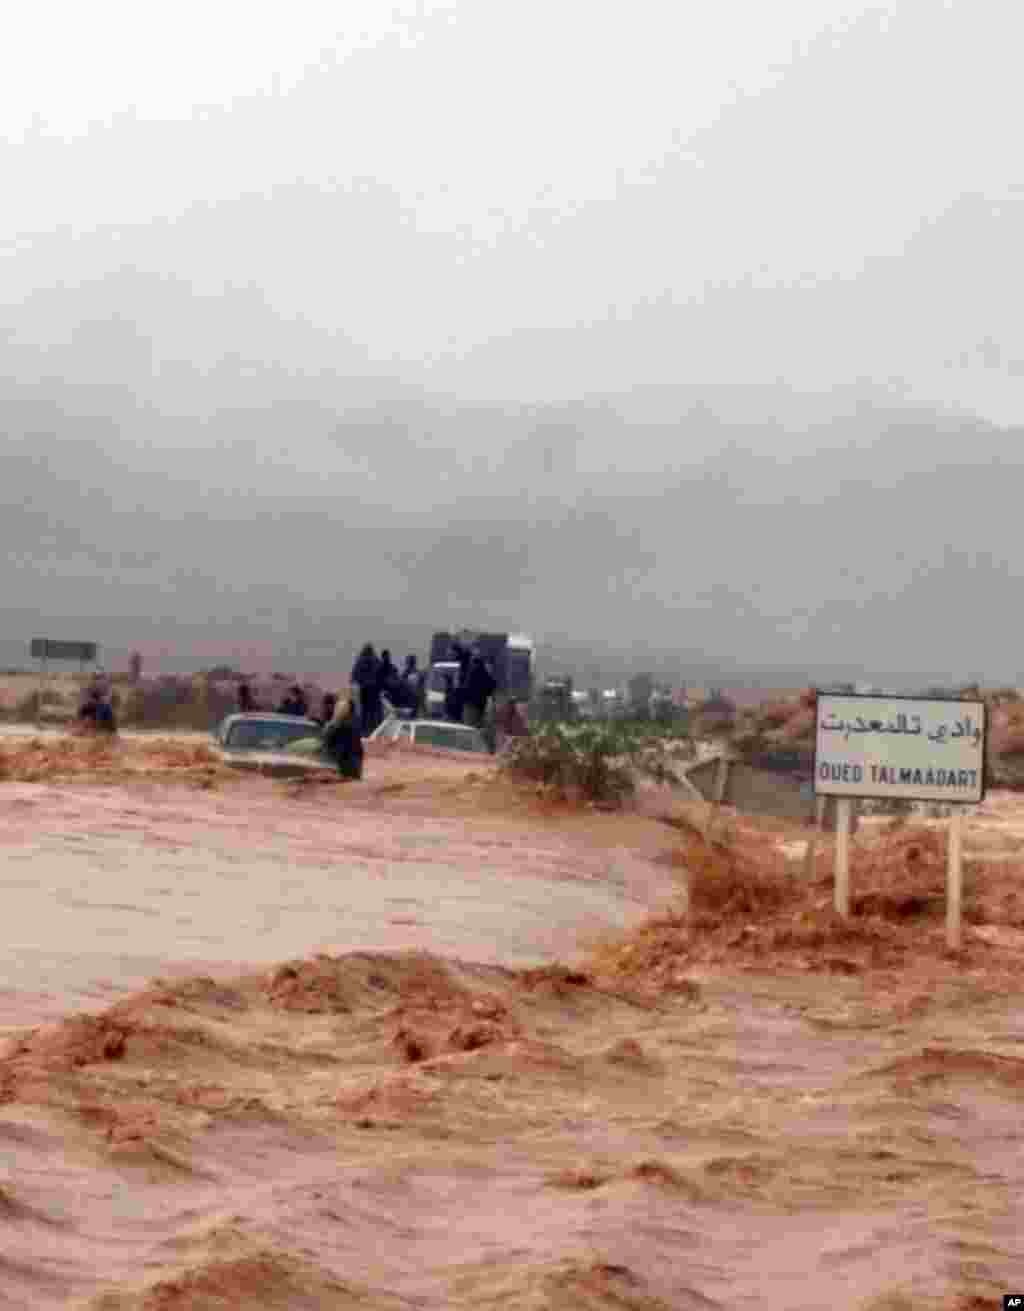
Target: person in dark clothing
(366, 677)
(479, 689)
(327, 708)
(246, 704)
(452, 699)
(98, 712)
(295, 703)
(413, 684)
(343, 740)
(387, 677)
(464, 655)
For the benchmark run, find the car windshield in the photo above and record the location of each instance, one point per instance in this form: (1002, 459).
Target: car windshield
(449, 735)
(267, 734)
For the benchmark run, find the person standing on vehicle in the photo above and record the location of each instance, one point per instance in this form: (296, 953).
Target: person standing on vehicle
(366, 677)
(343, 738)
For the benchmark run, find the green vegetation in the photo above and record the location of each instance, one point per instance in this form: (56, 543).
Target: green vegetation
(597, 762)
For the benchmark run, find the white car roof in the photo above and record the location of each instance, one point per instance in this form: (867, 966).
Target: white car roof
(431, 723)
(424, 723)
(263, 716)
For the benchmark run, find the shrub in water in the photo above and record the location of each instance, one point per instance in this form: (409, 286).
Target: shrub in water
(598, 762)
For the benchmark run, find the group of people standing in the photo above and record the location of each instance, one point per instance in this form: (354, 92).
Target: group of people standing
(346, 719)
(467, 695)
(377, 677)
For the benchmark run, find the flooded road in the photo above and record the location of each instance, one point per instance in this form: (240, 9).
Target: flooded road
(360, 1082)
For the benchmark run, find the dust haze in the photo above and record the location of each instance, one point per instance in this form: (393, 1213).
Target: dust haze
(681, 338)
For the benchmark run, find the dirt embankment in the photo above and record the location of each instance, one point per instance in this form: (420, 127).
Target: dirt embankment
(750, 907)
(98, 758)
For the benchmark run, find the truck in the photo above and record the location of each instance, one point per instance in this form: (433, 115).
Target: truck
(510, 656)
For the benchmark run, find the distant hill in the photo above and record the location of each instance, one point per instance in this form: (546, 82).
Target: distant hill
(247, 501)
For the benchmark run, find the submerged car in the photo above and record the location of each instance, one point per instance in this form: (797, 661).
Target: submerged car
(281, 745)
(430, 733)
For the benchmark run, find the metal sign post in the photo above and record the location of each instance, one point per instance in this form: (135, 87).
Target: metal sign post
(718, 796)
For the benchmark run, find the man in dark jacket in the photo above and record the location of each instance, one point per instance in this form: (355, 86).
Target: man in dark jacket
(464, 655)
(366, 677)
(387, 677)
(452, 700)
(479, 689)
(413, 684)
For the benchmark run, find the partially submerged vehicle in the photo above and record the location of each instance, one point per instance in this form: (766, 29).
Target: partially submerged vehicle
(283, 746)
(430, 733)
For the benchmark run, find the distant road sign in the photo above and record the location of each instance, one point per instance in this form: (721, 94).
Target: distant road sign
(44, 649)
(911, 748)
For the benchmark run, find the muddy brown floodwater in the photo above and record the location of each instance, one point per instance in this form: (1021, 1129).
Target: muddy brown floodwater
(416, 1043)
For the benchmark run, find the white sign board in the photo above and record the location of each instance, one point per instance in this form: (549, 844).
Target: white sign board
(900, 747)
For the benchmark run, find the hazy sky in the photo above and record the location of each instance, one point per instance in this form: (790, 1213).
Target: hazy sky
(489, 195)
(237, 238)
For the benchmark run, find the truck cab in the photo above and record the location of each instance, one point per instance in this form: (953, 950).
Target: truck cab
(510, 657)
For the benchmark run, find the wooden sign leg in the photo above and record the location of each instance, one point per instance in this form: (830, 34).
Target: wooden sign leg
(811, 850)
(842, 876)
(721, 780)
(954, 880)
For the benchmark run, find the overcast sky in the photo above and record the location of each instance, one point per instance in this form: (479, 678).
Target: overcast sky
(509, 204)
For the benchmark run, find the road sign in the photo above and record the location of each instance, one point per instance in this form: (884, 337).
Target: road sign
(45, 649)
(905, 748)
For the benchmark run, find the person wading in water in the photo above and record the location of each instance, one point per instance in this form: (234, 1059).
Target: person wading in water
(343, 740)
